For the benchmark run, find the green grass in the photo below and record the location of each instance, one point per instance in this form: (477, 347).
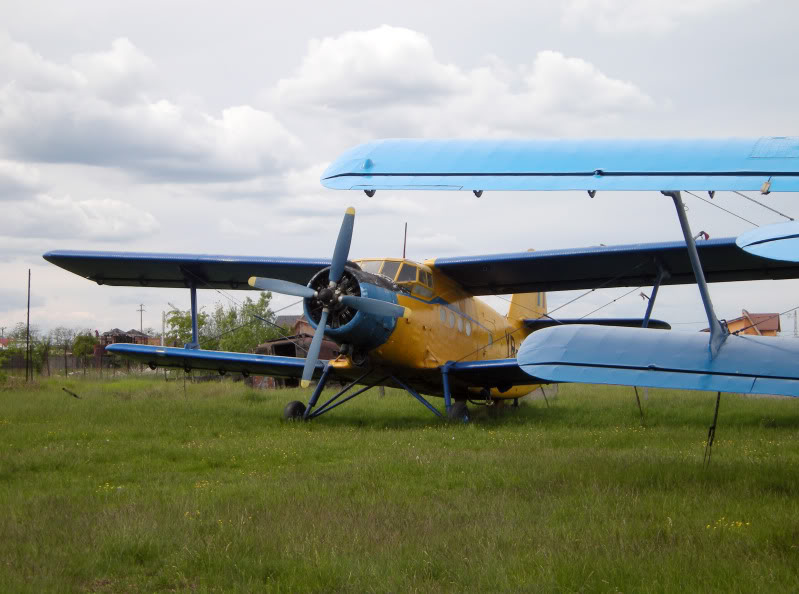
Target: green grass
(138, 488)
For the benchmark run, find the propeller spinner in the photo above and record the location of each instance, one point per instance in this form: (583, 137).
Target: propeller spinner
(332, 296)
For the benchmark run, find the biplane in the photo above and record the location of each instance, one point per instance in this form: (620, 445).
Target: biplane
(419, 326)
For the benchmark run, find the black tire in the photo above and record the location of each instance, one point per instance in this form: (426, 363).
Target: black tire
(294, 411)
(459, 411)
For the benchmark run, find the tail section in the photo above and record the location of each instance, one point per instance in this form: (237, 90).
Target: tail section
(524, 306)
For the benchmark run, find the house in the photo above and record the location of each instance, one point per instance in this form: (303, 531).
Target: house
(759, 324)
(116, 336)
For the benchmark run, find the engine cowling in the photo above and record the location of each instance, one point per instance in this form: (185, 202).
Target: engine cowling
(346, 325)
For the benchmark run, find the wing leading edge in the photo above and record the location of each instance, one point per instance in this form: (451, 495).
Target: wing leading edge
(609, 266)
(143, 269)
(588, 164)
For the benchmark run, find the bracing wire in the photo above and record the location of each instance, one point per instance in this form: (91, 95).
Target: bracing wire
(774, 210)
(721, 208)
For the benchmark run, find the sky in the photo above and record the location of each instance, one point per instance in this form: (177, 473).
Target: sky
(177, 126)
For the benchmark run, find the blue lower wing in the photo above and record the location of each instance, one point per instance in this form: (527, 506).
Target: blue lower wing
(643, 357)
(219, 361)
(494, 373)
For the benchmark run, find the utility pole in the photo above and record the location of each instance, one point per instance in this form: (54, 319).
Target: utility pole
(163, 332)
(141, 311)
(2, 331)
(28, 332)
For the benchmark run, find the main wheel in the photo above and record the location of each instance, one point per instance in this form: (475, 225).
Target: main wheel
(294, 411)
(459, 411)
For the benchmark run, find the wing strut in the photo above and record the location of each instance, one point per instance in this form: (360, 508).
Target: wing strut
(195, 332)
(663, 274)
(718, 334)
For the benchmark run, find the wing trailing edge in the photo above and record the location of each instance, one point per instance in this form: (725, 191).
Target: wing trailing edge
(541, 323)
(679, 360)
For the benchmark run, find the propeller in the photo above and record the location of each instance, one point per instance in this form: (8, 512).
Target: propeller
(281, 286)
(331, 295)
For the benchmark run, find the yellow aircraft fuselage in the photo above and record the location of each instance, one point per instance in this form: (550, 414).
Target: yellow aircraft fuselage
(447, 324)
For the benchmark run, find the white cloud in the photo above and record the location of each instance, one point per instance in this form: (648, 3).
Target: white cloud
(362, 69)
(49, 217)
(98, 110)
(228, 227)
(433, 242)
(17, 180)
(388, 82)
(642, 16)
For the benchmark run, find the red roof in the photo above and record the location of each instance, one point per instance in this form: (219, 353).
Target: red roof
(763, 321)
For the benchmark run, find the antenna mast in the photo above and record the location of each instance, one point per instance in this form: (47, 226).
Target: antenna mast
(405, 240)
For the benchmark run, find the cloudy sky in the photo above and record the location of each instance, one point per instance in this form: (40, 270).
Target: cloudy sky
(200, 127)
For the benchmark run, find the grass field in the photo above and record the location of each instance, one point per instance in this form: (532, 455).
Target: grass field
(136, 487)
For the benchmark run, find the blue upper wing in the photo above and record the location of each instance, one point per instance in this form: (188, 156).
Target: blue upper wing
(608, 266)
(587, 164)
(179, 270)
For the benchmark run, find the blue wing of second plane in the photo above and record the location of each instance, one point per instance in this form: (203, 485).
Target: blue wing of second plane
(767, 163)
(643, 357)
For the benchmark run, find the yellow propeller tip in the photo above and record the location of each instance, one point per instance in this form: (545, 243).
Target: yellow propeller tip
(406, 313)
(305, 383)
(350, 211)
(251, 281)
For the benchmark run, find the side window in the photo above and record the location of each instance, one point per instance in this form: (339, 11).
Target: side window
(451, 320)
(460, 324)
(468, 328)
(372, 266)
(390, 269)
(442, 312)
(407, 274)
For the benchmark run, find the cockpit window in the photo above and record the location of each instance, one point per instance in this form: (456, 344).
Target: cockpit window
(372, 266)
(390, 269)
(407, 274)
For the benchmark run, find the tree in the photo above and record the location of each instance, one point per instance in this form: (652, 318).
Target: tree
(83, 346)
(178, 326)
(62, 338)
(15, 353)
(242, 328)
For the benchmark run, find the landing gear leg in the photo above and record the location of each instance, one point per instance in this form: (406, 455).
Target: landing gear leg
(319, 387)
(296, 410)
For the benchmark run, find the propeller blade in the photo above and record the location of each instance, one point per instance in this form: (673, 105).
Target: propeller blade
(281, 286)
(376, 306)
(313, 353)
(343, 242)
